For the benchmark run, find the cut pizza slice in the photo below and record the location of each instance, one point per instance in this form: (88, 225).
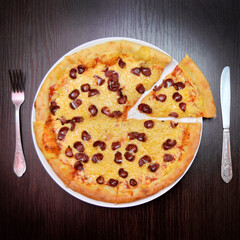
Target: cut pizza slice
(128, 160)
(82, 155)
(162, 158)
(105, 79)
(183, 93)
(103, 148)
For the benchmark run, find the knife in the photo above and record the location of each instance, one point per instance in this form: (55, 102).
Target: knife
(225, 93)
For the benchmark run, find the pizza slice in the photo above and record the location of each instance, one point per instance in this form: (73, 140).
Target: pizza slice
(100, 157)
(81, 156)
(183, 93)
(163, 157)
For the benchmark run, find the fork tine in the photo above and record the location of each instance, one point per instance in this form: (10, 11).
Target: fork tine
(18, 72)
(15, 82)
(18, 81)
(21, 80)
(11, 80)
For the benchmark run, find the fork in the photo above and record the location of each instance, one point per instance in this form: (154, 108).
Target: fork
(17, 84)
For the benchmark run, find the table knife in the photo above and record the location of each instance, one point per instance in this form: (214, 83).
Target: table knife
(225, 93)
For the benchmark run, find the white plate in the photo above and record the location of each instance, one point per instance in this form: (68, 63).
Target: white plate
(132, 114)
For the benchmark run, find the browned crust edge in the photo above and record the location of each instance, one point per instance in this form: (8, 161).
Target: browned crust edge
(145, 53)
(194, 131)
(195, 74)
(107, 53)
(103, 193)
(38, 128)
(64, 171)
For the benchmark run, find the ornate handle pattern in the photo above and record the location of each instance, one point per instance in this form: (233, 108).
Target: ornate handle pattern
(19, 165)
(226, 167)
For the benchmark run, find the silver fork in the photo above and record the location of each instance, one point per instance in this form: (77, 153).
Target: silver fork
(17, 84)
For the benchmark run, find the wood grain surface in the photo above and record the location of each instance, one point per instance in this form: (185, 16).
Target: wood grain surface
(35, 34)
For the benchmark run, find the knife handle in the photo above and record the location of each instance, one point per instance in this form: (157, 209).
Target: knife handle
(226, 167)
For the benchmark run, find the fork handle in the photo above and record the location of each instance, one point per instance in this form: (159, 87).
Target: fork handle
(226, 167)
(19, 165)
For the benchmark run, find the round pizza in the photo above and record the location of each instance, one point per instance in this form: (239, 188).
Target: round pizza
(82, 125)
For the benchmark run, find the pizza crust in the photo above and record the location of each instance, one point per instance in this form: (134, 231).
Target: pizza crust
(38, 130)
(145, 53)
(106, 53)
(64, 171)
(103, 193)
(195, 74)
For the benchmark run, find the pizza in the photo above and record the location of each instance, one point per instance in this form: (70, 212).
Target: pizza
(185, 92)
(82, 125)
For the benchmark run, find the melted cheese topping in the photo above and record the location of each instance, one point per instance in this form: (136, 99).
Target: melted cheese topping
(112, 131)
(127, 80)
(190, 95)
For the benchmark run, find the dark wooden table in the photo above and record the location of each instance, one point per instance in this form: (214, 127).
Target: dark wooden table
(35, 34)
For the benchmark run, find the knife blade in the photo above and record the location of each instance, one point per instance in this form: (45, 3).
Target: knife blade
(225, 94)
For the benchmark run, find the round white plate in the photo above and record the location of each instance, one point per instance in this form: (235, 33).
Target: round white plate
(131, 114)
